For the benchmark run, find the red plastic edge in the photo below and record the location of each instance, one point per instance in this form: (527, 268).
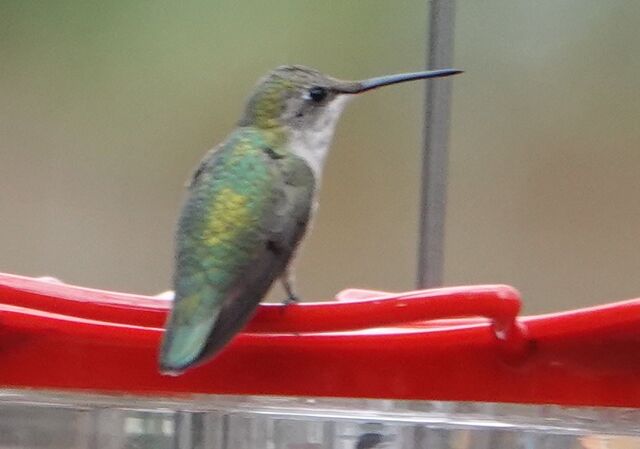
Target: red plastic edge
(380, 345)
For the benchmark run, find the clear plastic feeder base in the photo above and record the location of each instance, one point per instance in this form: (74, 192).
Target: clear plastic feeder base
(77, 421)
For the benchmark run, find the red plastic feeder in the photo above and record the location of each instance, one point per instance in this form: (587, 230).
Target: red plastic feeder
(450, 344)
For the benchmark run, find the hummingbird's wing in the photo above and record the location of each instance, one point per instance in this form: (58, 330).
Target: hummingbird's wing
(247, 209)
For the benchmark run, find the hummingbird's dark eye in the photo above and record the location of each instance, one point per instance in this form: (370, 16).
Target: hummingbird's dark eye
(317, 93)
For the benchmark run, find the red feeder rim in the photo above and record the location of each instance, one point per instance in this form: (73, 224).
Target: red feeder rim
(452, 344)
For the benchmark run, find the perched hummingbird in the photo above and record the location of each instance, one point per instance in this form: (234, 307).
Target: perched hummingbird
(249, 203)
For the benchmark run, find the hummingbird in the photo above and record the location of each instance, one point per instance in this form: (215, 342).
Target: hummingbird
(248, 206)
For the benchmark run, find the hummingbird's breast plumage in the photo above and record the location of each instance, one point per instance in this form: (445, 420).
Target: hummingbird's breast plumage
(248, 207)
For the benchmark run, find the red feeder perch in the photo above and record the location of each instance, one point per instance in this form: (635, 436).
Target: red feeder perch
(448, 344)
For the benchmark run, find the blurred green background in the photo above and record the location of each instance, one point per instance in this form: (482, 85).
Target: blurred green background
(105, 108)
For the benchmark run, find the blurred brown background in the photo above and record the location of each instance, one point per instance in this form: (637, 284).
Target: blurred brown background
(105, 107)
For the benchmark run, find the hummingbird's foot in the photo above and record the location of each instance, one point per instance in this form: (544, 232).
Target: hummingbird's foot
(287, 284)
(292, 299)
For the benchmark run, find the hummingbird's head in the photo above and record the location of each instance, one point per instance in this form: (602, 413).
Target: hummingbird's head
(307, 104)
(296, 97)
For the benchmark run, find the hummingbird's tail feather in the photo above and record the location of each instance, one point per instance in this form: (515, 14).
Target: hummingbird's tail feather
(192, 338)
(186, 345)
(183, 345)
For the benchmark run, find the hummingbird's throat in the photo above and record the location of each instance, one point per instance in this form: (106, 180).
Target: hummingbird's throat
(311, 143)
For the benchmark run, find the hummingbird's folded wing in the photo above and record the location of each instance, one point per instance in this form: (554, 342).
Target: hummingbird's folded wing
(247, 210)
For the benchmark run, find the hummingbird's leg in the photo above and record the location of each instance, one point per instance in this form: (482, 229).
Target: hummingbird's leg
(287, 283)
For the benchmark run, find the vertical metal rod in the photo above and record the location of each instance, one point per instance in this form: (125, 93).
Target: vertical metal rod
(436, 136)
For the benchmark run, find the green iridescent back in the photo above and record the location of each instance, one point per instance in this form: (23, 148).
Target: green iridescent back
(248, 208)
(220, 226)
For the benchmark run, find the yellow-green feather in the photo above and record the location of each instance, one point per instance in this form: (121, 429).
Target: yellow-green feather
(235, 202)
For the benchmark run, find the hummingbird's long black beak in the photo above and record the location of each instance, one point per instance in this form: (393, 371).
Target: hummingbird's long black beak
(356, 87)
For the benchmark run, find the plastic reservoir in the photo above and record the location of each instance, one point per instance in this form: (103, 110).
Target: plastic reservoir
(78, 421)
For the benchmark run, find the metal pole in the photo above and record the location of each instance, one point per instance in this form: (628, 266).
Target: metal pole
(436, 136)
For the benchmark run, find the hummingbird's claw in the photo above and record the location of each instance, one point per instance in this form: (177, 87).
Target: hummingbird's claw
(287, 285)
(291, 299)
